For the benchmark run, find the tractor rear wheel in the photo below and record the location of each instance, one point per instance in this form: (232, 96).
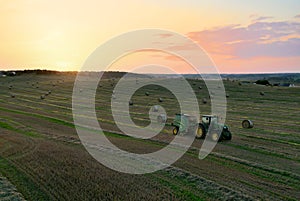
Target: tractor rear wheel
(214, 137)
(200, 132)
(175, 130)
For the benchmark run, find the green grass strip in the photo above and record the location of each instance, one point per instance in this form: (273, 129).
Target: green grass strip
(29, 189)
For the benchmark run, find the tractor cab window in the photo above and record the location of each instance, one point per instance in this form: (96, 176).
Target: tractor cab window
(205, 120)
(214, 120)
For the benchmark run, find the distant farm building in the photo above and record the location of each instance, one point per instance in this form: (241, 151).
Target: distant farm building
(287, 85)
(2, 74)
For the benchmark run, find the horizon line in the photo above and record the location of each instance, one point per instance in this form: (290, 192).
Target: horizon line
(223, 73)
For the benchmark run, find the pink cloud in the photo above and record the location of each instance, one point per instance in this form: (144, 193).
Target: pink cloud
(264, 45)
(278, 39)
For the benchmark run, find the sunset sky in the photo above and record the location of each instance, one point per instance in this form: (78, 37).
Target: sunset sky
(240, 36)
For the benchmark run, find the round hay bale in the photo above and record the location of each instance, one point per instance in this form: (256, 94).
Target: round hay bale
(130, 102)
(10, 87)
(262, 93)
(162, 118)
(160, 100)
(227, 95)
(247, 123)
(204, 100)
(49, 92)
(12, 95)
(155, 108)
(42, 97)
(147, 93)
(240, 83)
(37, 87)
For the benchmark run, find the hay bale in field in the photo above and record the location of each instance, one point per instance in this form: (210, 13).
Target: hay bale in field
(204, 100)
(227, 95)
(12, 95)
(147, 93)
(240, 83)
(42, 97)
(160, 100)
(10, 87)
(130, 102)
(162, 118)
(262, 93)
(247, 123)
(49, 92)
(155, 108)
(37, 87)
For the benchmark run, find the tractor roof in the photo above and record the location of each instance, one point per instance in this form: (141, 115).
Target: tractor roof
(208, 115)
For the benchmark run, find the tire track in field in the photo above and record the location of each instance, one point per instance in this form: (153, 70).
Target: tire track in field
(235, 159)
(63, 122)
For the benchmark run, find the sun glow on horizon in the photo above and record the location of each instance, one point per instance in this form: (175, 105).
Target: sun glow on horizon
(239, 36)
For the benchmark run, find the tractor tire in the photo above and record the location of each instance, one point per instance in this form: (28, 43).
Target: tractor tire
(175, 130)
(247, 124)
(229, 137)
(214, 137)
(200, 132)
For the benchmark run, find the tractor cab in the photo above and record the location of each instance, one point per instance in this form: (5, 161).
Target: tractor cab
(212, 121)
(207, 119)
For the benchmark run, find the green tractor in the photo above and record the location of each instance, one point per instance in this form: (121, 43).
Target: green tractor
(186, 124)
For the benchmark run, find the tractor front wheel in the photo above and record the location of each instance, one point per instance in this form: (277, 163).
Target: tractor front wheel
(175, 130)
(200, 132)
(229, 136)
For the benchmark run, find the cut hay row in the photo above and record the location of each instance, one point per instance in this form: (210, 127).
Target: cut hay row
(8, 191)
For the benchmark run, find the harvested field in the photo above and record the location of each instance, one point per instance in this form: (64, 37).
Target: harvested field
(41, 154)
